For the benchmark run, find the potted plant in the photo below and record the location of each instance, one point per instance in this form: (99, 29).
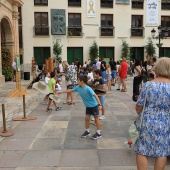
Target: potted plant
(57, 51)
(94, 52)
(7, 69)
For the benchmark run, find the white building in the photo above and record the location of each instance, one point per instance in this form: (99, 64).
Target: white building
(75, 24)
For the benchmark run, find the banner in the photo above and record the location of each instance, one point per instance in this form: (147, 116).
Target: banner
(152, 12)
(91, 8)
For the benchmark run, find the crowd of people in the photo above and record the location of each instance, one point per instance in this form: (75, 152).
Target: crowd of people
(154, 136)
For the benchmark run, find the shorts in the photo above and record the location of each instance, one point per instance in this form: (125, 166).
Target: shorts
(113, 74)
(109, 77)
(92, 111)
(49, 95)
(102, 100)
(14, 72)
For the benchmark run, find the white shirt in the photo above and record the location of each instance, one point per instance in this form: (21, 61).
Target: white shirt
(91, 76)
(61, 68)
(148, 67)
(73, 68)
(14, 65)
(98, 65)
(47, 79)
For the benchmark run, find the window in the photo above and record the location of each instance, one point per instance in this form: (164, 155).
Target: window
(137, 26)
(74, 24)
(165, 4)
(106, 3)
(165, 22)
(41, 2)
(74, 3)
(164, 52)
(137, 4)
(106, 52)
(41, 23)
(106, 25)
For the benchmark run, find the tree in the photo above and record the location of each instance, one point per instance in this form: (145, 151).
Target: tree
(150, 48)
(57, 51)
(94, 52)
(125, 49)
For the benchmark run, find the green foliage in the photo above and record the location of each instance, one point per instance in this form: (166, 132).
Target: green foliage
(57, 51)
(125, 50)
(94, 52)
(7, 69)
(150, 48)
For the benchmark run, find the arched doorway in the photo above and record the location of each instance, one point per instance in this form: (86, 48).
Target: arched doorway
(6, 35)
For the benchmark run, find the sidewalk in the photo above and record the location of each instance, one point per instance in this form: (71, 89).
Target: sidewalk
(53, 142)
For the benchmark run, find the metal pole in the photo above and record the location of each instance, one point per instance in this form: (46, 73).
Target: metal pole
(24, 106)
(159, 44)
(3, 117)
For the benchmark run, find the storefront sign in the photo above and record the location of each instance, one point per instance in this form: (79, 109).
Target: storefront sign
(152, 12)
(91, 8)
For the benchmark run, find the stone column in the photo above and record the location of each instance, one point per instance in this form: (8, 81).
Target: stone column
(15, 17)
(2, 78)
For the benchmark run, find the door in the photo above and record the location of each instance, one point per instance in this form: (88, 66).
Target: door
(106, 53)
(164, 52)
(73, 53)
(137, 52)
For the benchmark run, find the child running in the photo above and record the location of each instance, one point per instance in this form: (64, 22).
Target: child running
(91, 102)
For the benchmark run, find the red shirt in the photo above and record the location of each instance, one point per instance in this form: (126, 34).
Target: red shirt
(123, 70)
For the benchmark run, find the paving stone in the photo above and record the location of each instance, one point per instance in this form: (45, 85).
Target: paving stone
(56, 124)
(79, 158)
(10, 159)
(79, 168)
(59, 118)
(36, 168)
(125, 118)
(80, 143)
(41, 158)
(16, 144)
(47, 144)
(30, 124)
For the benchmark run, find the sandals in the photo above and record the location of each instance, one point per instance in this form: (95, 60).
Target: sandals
(66, 102)
(71, 103)
(123, 90)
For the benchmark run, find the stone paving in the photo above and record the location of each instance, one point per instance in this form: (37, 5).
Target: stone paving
(53, 142)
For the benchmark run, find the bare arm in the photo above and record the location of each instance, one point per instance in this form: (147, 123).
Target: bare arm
(65, 91)
(138, 109)
(97, 98)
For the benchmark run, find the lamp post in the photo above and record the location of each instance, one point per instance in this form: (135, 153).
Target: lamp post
(162, 34)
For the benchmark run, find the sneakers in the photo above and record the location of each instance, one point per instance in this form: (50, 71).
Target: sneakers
(48, 109)
(96, 136)
(58, 108)
(85, 134)
(92, 118)
(102, 117)
(129, 145)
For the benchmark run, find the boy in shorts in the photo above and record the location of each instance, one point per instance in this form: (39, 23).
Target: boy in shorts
(51, 84)
(92, 103)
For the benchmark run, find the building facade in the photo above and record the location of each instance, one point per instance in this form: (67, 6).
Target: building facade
(76, 24)
(9, 37)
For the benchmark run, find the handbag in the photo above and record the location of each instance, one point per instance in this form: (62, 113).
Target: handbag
(133, 131)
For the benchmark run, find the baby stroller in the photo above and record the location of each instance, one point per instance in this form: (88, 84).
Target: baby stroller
(37, 79)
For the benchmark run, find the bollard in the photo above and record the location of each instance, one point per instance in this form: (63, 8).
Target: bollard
(5, 132)
(24, 118)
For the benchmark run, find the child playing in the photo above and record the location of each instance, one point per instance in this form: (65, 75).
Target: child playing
(90, 74)
(99, 80)
(51, 84)
(108, 75)
(92, 103)
(47, 78)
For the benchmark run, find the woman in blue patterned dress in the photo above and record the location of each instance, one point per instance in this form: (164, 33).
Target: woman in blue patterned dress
(154, 138)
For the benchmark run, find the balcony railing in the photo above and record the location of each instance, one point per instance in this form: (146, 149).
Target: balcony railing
(137, 31)
(107, 30)
(75, 30)
(74, 3)
(41, 30)
(166, 5)
(108, 4)
(138, 5)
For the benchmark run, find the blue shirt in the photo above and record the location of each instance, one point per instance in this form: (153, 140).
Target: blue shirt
(87, 95)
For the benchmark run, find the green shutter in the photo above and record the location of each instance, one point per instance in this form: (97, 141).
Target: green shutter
(79, 54)
(167, 52)
(102, 52)
(46, 54)
(37, 55)
(161, 52)
(70, 55)
(140, 53)
(110, 53)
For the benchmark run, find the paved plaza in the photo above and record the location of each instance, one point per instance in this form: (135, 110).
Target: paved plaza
(53, 141)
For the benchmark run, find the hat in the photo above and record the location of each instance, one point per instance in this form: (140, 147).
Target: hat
(42, 87)
(54, 98)
(99, 90)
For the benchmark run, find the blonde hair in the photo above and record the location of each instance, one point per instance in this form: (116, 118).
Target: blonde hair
(65, 64)
(162, 67)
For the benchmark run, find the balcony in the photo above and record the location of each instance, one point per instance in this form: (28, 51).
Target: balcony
(137, 5)
(107, 31)
(41, 30)
(166, 5)
(75, 31)
(74, 3)
(137, 31)
(107, 4)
